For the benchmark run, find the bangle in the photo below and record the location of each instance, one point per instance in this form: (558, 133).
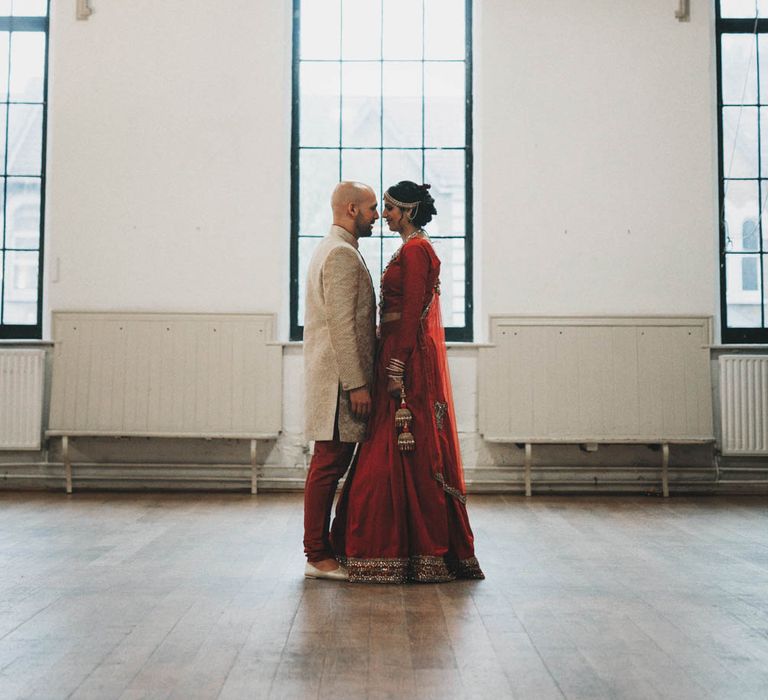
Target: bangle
(395, 366)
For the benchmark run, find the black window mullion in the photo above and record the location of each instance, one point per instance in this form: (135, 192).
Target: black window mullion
(742, 26)
(23, 24)
(295, 331)
(721, 179)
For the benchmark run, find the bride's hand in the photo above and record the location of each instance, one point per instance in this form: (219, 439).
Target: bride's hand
(393, 388)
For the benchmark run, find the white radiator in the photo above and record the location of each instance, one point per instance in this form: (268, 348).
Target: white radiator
(21, 398)
(166, 375)
(744, 404)
(578, 379)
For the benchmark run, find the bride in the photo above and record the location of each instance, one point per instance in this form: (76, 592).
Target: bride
(402, 514)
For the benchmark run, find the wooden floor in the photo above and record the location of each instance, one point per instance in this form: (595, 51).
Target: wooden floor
(187, 596)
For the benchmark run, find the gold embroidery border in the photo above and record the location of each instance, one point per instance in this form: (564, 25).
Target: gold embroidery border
(419, 568)
(470, 568)
(458, 495)
(441, 411)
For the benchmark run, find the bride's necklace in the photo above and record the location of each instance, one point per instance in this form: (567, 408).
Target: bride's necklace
(395, 256)
(417, 232)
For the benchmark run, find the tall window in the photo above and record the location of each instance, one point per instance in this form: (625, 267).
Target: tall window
(742, 56)
(23, 86)
(382, 93)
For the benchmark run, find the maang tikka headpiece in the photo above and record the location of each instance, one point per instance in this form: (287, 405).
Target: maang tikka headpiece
(403, 205)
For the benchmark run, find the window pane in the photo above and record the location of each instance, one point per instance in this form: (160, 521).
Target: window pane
(451, 252)
(445, 172)
(25, 139)
(402, 29)
(306, 248)
(320, 29)
(402, 104)
(22, 224)
(742, 210)
(361, 104)
(27, 66)
(750, 265)
(444, 29)
(30, 8)
(744, 8)
(743, 304)
(764, 202)
(5, 8)
(739, 57)
(20, 295)
(444, 96)
(370, 249)
(319, 175)
(389, 247)
(764, 140)
(361, 38)
(740, 141)
(762, 42)
(401, 165)
(319, 100)
(4, 39)
(364, 166)
(765, 289)
(3, 118)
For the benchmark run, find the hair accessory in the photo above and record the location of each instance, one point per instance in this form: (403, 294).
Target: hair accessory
(403, 205)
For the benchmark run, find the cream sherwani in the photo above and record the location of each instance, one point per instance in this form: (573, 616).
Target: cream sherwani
(339, 336)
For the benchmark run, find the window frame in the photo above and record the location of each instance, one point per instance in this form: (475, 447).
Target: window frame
(10, 331)
(453, 334)
(735, 334)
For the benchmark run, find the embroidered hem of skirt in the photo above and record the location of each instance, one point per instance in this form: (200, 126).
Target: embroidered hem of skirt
(419, 568)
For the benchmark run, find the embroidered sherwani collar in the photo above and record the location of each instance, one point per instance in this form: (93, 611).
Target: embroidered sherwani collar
(345, 236)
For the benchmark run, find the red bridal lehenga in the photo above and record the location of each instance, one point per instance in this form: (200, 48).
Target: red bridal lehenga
(402, 515)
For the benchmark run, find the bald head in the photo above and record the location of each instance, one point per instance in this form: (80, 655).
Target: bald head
(346, 193)
(354, 208)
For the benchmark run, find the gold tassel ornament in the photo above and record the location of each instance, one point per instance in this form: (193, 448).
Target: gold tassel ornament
(403, 418)
(403, 415)
(405, 441)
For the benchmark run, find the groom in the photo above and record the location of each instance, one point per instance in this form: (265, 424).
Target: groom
(339, 343)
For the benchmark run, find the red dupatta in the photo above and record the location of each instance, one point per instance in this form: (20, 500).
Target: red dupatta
(433, 329)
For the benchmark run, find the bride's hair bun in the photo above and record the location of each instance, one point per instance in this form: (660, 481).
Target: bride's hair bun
(407, 191)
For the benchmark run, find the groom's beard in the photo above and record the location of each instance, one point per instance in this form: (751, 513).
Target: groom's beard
(363, 231)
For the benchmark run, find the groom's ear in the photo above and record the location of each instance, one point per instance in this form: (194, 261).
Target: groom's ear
(352, 209)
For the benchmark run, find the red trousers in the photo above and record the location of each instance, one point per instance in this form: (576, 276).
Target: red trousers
(328, 465)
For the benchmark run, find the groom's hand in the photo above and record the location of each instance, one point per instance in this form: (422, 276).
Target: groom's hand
(360, 399)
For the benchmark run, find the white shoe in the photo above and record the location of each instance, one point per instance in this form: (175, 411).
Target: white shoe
(339, 574)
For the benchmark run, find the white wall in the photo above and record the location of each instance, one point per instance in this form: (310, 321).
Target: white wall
(596, 136)
(168, 156)
(169, 167)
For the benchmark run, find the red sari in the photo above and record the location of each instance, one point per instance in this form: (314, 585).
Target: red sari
(402, 515)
